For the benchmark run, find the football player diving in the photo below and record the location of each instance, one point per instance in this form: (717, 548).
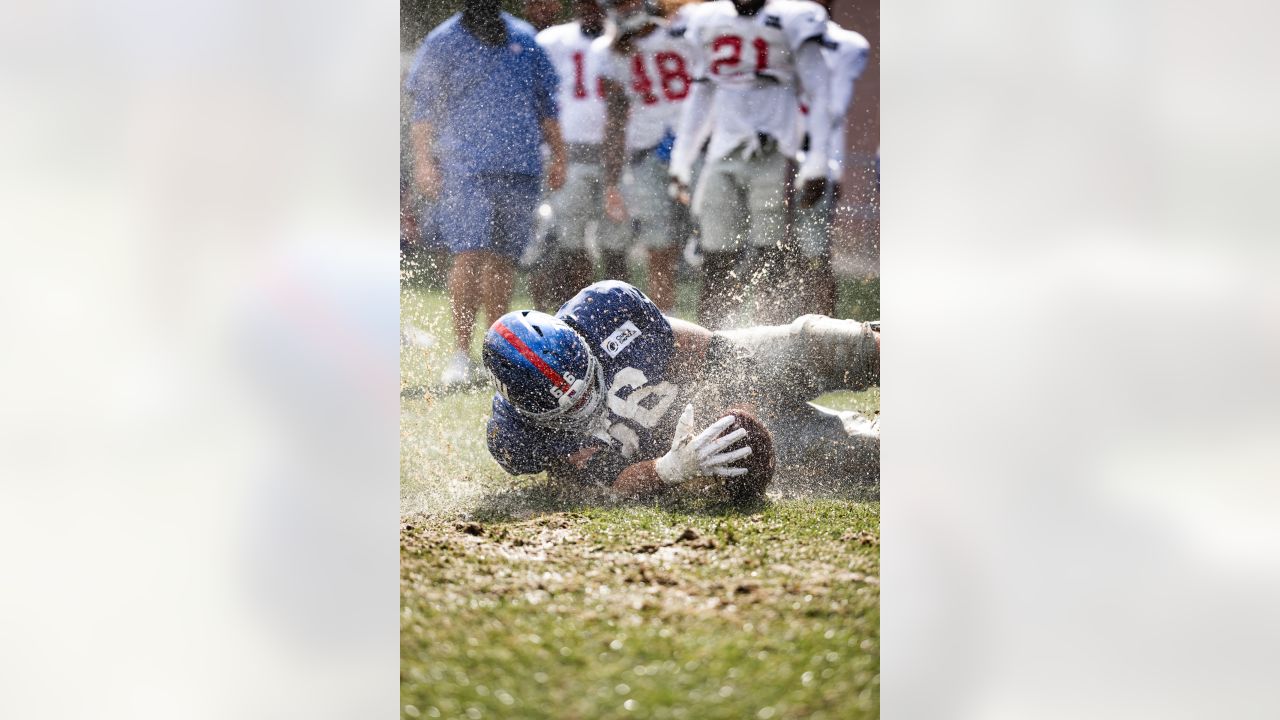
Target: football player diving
(611, 392)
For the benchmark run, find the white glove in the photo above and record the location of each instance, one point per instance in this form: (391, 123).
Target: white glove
(692, 456)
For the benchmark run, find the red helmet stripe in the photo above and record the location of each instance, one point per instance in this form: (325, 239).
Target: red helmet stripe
(532, 356)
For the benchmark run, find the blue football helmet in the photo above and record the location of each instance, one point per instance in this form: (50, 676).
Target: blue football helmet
(545, 369)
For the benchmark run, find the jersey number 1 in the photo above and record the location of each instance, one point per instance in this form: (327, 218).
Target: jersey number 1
(580, 78)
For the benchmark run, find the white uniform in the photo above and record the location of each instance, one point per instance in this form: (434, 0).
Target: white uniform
(657, 77)
(580, 203)
(580, 97)
(846, 53)
(752, 70)
(754, 64)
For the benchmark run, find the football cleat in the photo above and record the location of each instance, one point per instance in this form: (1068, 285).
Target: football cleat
(545, 370)
(460, 372)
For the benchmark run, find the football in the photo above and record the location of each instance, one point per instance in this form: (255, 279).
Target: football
(759, 464)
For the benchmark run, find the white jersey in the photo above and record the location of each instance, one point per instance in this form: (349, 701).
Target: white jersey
(846, 53)
(657, 77)
(580, 96)
(752, 62)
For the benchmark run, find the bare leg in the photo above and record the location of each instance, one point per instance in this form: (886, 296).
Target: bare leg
(826, 289)
(574, 273)
(499, 278)
(721, 288)
(541, 278)
(817, 285)
(615, 265)
(662, 277)
(465, 278)
(770, 286)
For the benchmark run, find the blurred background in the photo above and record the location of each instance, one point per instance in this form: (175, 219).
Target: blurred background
(200, 314)
(856, 235)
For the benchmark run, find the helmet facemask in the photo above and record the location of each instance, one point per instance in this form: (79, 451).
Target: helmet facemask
(580, 406)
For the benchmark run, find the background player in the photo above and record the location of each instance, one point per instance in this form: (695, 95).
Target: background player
(645, 72)
(753, 59)
(600, 393)
(580, 203)
(483, 103)
(846, 53)
(541, 14)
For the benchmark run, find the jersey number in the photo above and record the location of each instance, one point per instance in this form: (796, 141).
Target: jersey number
(672, 75)
(580, 78)
(631, 408)
(727, 53)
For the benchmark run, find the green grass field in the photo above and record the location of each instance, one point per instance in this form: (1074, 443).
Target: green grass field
(519, 600)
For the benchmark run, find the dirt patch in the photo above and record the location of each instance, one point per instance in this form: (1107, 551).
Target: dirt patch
(564, 561)
(862, 538)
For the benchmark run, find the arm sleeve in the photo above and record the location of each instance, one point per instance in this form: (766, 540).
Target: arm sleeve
(815, 79)
(695, 121)
(518, 448)
(545, 85)
(807, 22)
(601, 63)
(843, 82)
(423, 87)
(514, 455)
(696, 114)
(852, 63)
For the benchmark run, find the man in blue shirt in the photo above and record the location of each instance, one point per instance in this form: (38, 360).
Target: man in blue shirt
(484, 101)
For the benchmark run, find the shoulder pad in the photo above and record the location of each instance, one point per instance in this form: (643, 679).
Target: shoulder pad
(555, 33)
(615, 317)
(802, 20)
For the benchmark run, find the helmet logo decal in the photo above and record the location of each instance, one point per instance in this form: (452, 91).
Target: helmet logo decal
(619, 339)
(542, 366)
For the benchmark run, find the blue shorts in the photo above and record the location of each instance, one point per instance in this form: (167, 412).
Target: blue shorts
(493, 212)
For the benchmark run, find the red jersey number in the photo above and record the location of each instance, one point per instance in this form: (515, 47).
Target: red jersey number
(580, 78)
(640, 81)
(726, 51)
(673, 76)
